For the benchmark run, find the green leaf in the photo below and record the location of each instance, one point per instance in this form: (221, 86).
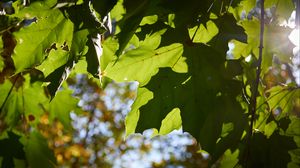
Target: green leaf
(248, 5)
(226, 129)
(228, 30)
(80, 67)
(171, 122)
(281, 100)
(270, 128)
(203, 34)
(37, 151)
(79, 48)
(149, 20)
(143, 96)
(240, 49)
(54, 60)
(61, 106)
(63, 68)
(153, 41)
(118, 11)
(230, 159)
(2, 65)
(275, 42)
(4, 87)
(13, 109)
(135, 11)
(294, 128)
(284, 8)
(50, 28)
(206, 100)
(181, 66)
(110, 46)
(142, 63)
(34, 99)
(29, 100)
(243, 9)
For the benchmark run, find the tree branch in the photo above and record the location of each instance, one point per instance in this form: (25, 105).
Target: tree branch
(253, 102)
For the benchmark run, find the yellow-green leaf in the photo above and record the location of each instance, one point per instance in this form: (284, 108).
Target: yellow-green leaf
(171, 122)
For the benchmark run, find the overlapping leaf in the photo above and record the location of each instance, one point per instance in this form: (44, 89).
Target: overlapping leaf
(205, 96)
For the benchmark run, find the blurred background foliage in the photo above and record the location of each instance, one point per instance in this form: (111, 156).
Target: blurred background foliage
(97, 136)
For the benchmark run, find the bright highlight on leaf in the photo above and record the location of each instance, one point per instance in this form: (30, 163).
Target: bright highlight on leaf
(171, 122)
(51, 27)
(143, 97)
(203, 33)
(142, 63)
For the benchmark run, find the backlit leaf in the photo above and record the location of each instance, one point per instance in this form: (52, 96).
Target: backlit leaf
(26, 100)
(171, 122)
(142, 63)
(54, 60)
(275, 42)
(203, 34)
(50, 28)
(281, 99)
(143, 96)
(283, 9)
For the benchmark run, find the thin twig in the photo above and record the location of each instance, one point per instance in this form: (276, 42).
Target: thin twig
(253, 102)
(258, 71)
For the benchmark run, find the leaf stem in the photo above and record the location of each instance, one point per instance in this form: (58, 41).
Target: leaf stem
(253, 102)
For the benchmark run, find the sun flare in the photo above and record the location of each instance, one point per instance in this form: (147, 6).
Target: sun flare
(294, 37)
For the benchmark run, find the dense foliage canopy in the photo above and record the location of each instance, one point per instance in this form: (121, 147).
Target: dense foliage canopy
(222, 70)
